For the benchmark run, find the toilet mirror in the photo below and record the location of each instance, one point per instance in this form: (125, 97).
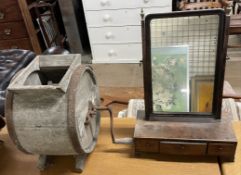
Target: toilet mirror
(184, 58)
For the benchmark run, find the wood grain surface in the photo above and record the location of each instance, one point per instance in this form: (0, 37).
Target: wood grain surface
(107, 159)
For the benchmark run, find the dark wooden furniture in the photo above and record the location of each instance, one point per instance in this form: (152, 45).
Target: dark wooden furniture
(204, 4)
(193, 132)
(45, 14)
(18, 26)
(235, 24)
(74, 22)
(236, 6)
(235, 28)
(13, 30)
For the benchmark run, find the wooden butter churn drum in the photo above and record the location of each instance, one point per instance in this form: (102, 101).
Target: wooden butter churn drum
(51, 108)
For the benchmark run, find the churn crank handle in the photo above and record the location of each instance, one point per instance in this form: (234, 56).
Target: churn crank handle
(115, 140)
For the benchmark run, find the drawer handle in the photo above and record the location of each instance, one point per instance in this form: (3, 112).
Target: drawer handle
(112, 53)
(2, 15)
(104, 2)
(14, 47)
(7, 31)
(220, 148)
(106, 17)
(146, 1)
(108, 35)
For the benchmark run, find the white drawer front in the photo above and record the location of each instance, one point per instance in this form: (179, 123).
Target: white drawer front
(118, 4)
(120, 17)
(125, 34)
(117, 53)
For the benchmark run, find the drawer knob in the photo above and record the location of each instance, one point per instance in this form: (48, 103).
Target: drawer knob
(2, 15)
(146, 1)
(7, 31)
(108, 35)
(112, 53)
(104, 2)
(106, 17)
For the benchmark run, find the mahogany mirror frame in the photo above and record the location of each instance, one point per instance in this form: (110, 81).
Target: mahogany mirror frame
(219, 66)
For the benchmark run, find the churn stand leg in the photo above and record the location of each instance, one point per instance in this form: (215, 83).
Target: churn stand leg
(43, 162)
(80, 162)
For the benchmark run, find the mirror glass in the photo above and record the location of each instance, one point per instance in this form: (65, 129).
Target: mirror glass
(183, 58)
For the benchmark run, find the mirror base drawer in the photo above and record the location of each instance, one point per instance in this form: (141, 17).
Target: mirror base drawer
(147, 145)
(182, 148)
(221, 149)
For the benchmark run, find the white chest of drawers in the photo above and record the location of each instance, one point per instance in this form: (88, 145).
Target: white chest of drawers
(114, 27)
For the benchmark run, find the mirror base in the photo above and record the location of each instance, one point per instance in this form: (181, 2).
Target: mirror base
(185, 138)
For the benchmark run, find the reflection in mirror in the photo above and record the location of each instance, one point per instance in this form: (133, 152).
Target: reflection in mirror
(183, 57)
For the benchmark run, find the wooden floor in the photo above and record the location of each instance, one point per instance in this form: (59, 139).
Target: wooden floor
(107, 159)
